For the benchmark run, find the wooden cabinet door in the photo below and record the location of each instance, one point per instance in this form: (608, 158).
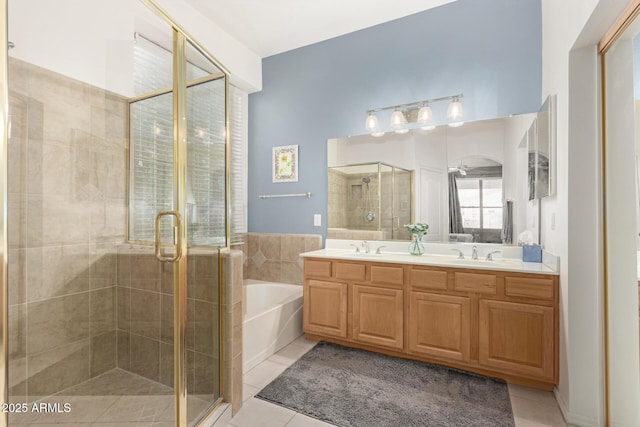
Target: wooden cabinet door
(325, 308)
(378, 316)
(518, 338)
(439, 325)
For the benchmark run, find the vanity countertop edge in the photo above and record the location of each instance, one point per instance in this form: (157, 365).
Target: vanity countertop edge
(502, 264)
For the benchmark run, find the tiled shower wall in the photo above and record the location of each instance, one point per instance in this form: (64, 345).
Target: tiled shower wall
(276, 257)
(145, 318)
(82, 302)
(67, 158)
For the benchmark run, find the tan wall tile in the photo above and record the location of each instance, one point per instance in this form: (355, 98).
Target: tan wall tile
(57, 321)
(103, 353)
(54, 370)
(145, 357)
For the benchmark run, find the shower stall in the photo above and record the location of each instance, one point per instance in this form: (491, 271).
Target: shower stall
(369, 201)
(114, 172)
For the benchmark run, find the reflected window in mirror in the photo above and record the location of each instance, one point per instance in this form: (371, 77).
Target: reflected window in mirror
(481, 208)
(476, 201)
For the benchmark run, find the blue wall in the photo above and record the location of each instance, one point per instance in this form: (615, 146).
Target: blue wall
(490, 50)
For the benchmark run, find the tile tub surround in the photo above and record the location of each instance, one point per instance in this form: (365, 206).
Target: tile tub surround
(67, 204)
(276, 257)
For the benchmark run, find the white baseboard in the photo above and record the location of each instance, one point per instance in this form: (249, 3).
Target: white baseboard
(573, 419)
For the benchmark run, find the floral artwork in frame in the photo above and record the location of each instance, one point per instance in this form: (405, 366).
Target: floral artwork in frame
(285, 163)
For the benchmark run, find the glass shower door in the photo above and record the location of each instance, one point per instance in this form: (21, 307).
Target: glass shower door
(204, 215)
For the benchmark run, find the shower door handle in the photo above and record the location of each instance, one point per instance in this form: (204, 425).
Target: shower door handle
(178, 244)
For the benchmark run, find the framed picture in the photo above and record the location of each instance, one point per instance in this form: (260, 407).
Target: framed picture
(285, 163)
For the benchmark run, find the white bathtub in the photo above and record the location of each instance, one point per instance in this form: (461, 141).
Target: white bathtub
(272, 319)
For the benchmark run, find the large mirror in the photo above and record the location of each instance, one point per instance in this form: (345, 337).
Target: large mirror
(468, 183)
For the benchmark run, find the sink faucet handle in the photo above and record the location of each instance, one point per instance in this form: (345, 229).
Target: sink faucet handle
(378, 249)
(357, 248)
(490, 255)
(460, 254)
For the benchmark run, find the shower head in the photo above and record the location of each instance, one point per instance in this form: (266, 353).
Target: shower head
(366, 179)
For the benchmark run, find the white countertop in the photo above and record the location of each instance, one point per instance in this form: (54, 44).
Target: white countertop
(502, 264)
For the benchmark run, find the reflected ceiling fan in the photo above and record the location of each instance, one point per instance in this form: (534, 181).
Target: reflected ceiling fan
(461, 169)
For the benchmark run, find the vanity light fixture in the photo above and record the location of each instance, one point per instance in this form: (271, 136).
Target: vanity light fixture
(454, 113)
(414, 112)
(398, 119)
(425, 117)
(372, 124)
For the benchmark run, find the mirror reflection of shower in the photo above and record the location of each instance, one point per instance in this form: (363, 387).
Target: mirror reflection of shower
(369, 215)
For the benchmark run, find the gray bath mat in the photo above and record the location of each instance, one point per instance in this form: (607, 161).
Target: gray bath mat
(356, 388)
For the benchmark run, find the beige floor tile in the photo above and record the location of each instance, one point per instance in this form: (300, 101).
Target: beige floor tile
(300, 420)
(145, 409)
(529, 413)
(263, 374)
(532, 394)
(248, 391)
(289, 354)
(305, 342)
(258, 413)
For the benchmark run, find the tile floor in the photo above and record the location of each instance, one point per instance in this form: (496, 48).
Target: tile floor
(531, 407)
(116, 398)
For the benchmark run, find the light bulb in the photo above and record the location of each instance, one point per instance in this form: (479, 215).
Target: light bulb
(398, 119)
(455, 110)
(372, 122)
(425, 115)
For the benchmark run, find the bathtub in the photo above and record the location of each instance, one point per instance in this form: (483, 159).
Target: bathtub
(272, 319)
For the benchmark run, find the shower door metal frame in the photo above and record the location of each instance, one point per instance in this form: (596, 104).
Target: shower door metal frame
(4, 123)
(180, 40)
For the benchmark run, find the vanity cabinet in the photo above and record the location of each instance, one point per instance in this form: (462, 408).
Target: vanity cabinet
(325, 308)
(378, 316)
(492, 322)
(517, 338)
(439, 325)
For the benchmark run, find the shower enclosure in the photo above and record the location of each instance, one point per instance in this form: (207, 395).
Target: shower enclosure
(370, 201)
(115, 188)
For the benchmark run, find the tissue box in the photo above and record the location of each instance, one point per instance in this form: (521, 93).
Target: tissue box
(531, 253)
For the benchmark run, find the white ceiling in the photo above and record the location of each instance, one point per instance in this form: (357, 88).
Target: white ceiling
(275, 26)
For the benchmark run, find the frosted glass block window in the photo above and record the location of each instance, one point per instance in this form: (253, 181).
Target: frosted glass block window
(151, 148)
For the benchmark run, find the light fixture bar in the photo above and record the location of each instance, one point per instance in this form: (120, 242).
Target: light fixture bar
(416, 104)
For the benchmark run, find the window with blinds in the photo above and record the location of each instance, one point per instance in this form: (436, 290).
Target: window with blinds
(239, 162)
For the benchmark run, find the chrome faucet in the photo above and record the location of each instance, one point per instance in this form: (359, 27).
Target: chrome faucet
(365, 245)
(474, 252)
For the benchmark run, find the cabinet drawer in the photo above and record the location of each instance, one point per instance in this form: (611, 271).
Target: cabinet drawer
(318, 268)
(528, 287)
(387, 275)
(428, 279)
(349, 271)
(475, 282)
